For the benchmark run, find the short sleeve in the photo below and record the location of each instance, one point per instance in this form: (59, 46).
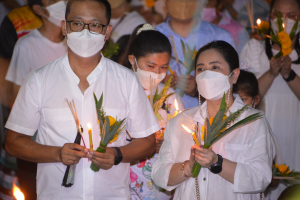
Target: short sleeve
(8, 38)
(20, 65)
(25, 115)
(141, 121)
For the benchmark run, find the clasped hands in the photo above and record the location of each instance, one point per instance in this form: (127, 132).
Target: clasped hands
(205, 157)
(71, 153)
(281, 65)
(187, 83)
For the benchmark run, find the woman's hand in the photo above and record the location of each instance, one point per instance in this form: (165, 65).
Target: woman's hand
(275, 65)
(286, 66)
(205, 157)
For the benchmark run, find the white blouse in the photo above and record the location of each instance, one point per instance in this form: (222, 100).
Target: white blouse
(251, 146)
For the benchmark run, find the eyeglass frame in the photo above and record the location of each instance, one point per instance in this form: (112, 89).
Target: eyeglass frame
(88, 24)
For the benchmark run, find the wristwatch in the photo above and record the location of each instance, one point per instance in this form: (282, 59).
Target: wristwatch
(291, 76)
(119, 156)
(217, 167)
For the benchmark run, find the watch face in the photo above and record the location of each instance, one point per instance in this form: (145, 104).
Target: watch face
(216, 169)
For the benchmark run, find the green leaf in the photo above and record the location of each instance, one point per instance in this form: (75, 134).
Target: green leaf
(240, 123)
(219, 116)
(208, 129)
(279, 22)
(183, 47)
(95, 98)
(293, 31)
(278, 55)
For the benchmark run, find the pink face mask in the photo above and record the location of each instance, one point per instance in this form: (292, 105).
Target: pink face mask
(209, 14)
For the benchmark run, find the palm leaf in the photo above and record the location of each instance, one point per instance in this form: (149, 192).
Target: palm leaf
(240, 123)
(293, 31)
(219, 116)
(208, 130)
(111, 134)
(279, 22)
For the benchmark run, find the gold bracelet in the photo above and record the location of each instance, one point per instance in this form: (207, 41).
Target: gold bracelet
(182, 170)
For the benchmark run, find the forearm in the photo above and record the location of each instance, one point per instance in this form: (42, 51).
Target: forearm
(138, 148)
(23, 147)
(294, 85)
(5, 86)
(265, 82)
(232, 11)
(176, 176)
(228, 170)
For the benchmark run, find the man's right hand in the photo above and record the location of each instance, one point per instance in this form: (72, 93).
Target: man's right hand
(275, 65)
(71, 153)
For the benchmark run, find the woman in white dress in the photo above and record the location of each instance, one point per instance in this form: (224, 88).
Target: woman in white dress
(279, 84)
(149, 52)
(238, 166)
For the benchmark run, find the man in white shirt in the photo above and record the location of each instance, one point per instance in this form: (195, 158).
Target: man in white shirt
(123, 22)
(41, 105)
(41, 46)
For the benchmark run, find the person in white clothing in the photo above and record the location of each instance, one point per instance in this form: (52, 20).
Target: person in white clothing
(41, 46)
(122, 21)
(149, 53)
(242, 168)
(41, 105)
(279, 81)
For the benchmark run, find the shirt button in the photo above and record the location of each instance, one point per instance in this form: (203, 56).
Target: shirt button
(204, 179)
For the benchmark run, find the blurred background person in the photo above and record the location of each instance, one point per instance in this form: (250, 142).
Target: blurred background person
(212, 14)
(7, 5)
(184, 24)
(279, 82)
(39, 47)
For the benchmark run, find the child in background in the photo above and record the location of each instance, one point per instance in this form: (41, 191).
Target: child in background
(247, 88)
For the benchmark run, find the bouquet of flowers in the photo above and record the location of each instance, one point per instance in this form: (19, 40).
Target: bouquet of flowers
(282, 38)
(109, 128)
(216, 129)
(283, 172)
(110, 49)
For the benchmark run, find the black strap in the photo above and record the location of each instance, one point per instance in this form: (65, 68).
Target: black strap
(291, 76)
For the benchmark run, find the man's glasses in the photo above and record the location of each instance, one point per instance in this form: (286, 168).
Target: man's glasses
(94, 28)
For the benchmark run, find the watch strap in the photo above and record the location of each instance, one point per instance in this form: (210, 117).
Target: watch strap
(291, 76)
(119, 156)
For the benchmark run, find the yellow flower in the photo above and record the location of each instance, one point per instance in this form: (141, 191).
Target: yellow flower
(194, 55)
(287, 44)
(111, 120)
(149, 97)
(210, 122)
(202, 136)
(265, 25)
(283, 168)
(114, 139)
(150, 3)
(286, 52)
(283, 37)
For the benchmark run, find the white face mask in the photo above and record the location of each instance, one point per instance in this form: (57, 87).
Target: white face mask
(84, 43)
(144, 77)
(56, 12)
(212, 85)
(288, 25)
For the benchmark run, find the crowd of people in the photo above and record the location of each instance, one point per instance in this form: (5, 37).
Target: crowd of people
(161, 66)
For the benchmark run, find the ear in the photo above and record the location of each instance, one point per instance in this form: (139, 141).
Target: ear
(257, 99)
(63, 27)
(131, 59)
(108, 32)
(235, 75)
(40, 11)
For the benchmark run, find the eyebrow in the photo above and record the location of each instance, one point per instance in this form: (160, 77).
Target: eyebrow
(91, 19)
(155, 63)
(213, 62)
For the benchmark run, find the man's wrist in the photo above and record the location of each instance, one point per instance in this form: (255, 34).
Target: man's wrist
(59, 157)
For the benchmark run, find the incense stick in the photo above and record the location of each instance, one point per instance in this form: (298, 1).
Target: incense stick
(175, 53)
(249, 7)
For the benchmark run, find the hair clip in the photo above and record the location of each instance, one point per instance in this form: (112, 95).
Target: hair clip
(145, 27)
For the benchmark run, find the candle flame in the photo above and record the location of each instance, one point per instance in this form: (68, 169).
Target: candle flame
(176, 105)
(89, 125)
(17, 192)
(283, 25)
(258, 21)
(186, 128)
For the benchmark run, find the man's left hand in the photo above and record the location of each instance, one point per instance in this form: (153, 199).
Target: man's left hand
(103, 160)
(286, 64)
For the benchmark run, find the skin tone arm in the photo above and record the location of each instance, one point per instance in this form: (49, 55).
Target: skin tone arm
(5, 86)
(138, 148)
(228, 5)
(22, 146)
(206, 158)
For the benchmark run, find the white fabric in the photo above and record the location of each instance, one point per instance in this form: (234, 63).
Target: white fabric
(282, 107)
(127, 25)
(31, 52)
(41, 105)
(251, 146)
(142, 186)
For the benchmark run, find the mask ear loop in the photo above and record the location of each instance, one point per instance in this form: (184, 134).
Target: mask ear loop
(252, 103)
(135, 70)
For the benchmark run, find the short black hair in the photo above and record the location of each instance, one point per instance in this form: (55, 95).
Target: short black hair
(145, 43)
(225, 49)
(104, 2)
(247, 83)
(34, 2)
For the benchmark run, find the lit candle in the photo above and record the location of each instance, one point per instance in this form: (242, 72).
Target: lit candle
(17, 192)
(176, 111)
(258, 22)
(90, 136)
(193, 134)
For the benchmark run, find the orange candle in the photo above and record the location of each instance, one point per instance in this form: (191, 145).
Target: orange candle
(176, 111)
(193, 134)
(90, 136)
